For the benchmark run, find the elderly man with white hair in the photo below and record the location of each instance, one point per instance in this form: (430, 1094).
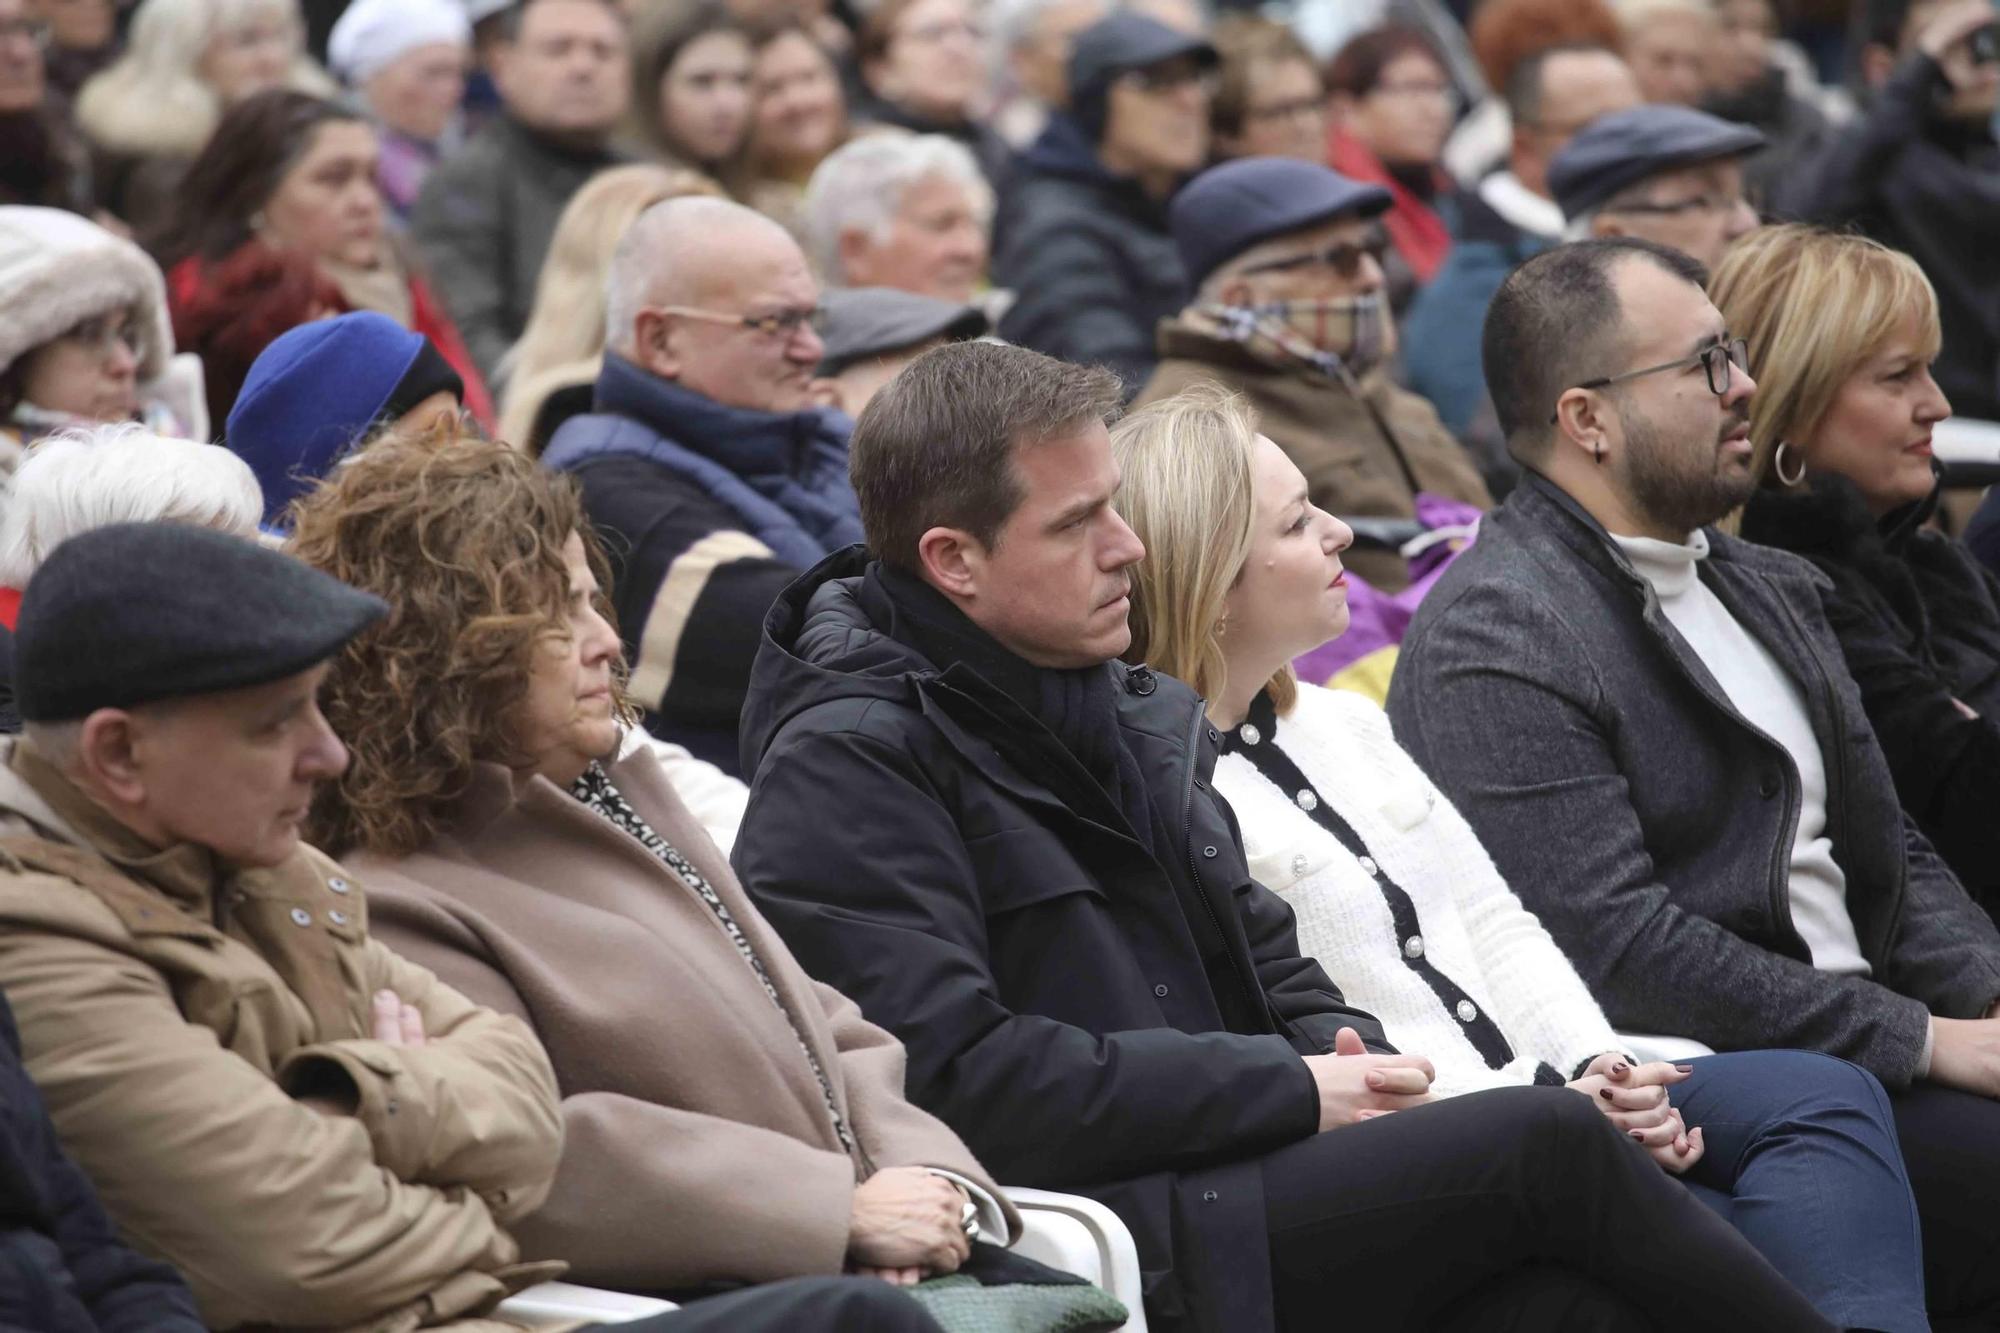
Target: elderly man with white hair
(912, 212)
(706, 461)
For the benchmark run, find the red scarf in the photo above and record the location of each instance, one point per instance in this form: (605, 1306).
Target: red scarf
(1414, 227)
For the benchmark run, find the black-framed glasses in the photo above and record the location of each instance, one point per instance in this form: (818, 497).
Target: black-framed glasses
(1715, 362)
(1344, 258)
(1700, 203)
(1172, 76)
(783, 324)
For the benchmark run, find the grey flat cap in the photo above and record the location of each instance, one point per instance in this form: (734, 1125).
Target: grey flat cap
(1623, 148)
(872, 321)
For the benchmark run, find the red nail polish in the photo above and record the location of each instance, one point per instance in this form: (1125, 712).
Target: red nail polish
(1637, 1135)
(1605, 1093)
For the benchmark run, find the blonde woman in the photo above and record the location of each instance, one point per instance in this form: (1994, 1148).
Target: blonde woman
(1842, 332)
(1394, 895)
(185, 62)
(553, 367)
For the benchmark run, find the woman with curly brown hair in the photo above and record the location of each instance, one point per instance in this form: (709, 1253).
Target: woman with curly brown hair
(727, 1119)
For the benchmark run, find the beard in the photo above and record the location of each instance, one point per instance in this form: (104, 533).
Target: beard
(1679, 487)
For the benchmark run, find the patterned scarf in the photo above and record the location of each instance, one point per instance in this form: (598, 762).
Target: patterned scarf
(1342, 338)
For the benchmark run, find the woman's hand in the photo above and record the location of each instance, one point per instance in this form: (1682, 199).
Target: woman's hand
(906, 1226)
(1634, 1097)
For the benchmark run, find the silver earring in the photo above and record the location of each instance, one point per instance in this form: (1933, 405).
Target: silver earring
(1778, 465)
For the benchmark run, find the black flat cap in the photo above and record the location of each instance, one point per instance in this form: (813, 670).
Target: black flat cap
(1227, 209)
(873, 321)
(138, 612)
(1124, 41)
(1622, 148)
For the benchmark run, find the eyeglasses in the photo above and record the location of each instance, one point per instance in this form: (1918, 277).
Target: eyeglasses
(1171, 77)
(784, 324)
(1434, 92)
(1344, 259)
(1302, 106)
(99, 335)
(1700, 203)
(1715, 362)
(25, 30)
(932, 34)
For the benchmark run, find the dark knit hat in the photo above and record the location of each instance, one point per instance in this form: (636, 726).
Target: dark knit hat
(1116, 44)
(322, 386)
(138, 612)
(1227, 209)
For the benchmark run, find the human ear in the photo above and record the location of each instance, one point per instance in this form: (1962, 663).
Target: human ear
(952, 561)
(1580, 423)
(109, 754)
(655, 346)
(853, 247)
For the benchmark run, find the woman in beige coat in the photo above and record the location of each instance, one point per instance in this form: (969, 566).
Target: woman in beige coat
(727, 1118)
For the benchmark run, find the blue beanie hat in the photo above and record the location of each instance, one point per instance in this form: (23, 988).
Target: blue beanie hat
(319, 388)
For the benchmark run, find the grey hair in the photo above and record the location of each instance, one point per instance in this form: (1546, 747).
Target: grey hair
(651, 264)
(860, 187)
(78, 480)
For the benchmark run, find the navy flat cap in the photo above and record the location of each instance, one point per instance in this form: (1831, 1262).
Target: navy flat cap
(1227, 209)
(1124, 41)
(873, 321)
(1622, 148)
(138, 612)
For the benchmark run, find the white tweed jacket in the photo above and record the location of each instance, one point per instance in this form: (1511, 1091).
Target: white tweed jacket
(1472, 928)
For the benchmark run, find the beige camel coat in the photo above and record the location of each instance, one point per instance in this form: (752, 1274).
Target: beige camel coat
(699, 1144)
(166, 1006)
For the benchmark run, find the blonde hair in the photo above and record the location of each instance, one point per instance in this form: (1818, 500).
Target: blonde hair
(1813, 305)
(563, 343)
(152, 100)
(80, 480)
(1188, 493)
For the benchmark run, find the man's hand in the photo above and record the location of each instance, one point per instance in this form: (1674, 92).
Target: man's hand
(905, 1226)
(396, 1023)
(1634, 1097)
(1354, 1085)
(1944, 40)
(1965, 1054)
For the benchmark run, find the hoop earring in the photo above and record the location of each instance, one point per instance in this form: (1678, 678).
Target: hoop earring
(1778, 465)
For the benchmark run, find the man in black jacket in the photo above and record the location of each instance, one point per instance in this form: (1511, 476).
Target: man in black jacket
(63, 1268)
(1651, 728)
(1004, 844)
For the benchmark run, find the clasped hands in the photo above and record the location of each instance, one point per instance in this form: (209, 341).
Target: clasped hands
(906, 1226)
(1355, 1085)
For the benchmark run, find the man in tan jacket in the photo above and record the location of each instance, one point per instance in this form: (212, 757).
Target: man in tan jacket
(1291, 311)
(314, 1131)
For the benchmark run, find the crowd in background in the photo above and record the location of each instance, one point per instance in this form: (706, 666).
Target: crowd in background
(891, 598)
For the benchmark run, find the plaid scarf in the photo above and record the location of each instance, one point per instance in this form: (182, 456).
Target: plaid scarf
(1342, 338)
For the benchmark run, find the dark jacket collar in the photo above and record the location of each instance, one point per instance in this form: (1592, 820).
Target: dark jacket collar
(1827, 517)
(1066, 150)
(747, 442)
(527, 139)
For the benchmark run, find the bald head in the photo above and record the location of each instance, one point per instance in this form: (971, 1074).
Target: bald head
(689, 252)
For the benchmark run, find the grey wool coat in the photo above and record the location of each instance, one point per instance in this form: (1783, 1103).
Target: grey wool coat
(1649, 823)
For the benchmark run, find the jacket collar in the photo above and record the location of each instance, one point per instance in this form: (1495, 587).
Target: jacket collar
(749, 443)
(1066, 149)
(1828, 516)
(186, 874)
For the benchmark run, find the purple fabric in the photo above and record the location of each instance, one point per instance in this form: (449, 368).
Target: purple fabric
(1377, 619)
(400, 170)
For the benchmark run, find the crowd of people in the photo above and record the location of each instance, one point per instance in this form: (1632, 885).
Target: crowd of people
(678, 641)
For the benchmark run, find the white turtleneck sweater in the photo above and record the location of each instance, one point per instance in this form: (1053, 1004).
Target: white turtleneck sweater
(1773, 703)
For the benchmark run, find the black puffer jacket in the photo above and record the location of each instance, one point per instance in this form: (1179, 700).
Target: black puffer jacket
(1089, 1014)
(1919, 623)
(1089, 256)
(62, 1268)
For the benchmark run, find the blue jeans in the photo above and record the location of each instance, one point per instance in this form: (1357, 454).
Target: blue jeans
(1802, 1159)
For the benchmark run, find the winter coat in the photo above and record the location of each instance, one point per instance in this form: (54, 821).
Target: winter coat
(1919, 623)
(699, 1148)
(171, 1010)
(1363, 455)
(1088, 1014)
(708, 512)
(1423, 933)
(1932, 189)
(1090, 257)
(484, 221)
(1649, 824)
(62, 1268)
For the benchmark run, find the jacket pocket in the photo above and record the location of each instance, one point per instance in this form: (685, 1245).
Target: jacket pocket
(1020, 868)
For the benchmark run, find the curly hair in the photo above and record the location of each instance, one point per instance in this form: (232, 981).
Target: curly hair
(464, 538)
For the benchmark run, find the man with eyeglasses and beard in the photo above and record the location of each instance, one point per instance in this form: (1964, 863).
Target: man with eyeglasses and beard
(705, 461)
(1650, 727)
(1290, 310)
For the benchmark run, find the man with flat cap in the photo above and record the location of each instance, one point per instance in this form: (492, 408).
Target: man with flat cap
(1667, 174)
(873, 332)
(1291, 310)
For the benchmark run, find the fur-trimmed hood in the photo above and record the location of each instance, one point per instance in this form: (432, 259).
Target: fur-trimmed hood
(58, 270)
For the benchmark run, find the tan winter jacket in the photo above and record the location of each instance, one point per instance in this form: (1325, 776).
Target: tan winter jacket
(699, 1144)
(166, 1004)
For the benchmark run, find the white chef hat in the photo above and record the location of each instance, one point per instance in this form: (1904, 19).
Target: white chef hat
(372, 34)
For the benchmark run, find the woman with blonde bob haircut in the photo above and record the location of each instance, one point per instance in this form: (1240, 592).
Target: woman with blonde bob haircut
(727, 1120)
(1842, 332)
(553, 368)
(1405, 911)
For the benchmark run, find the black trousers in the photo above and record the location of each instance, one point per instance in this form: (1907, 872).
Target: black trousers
(1522, 1208)
(802, 1305)
(1951, 1147)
